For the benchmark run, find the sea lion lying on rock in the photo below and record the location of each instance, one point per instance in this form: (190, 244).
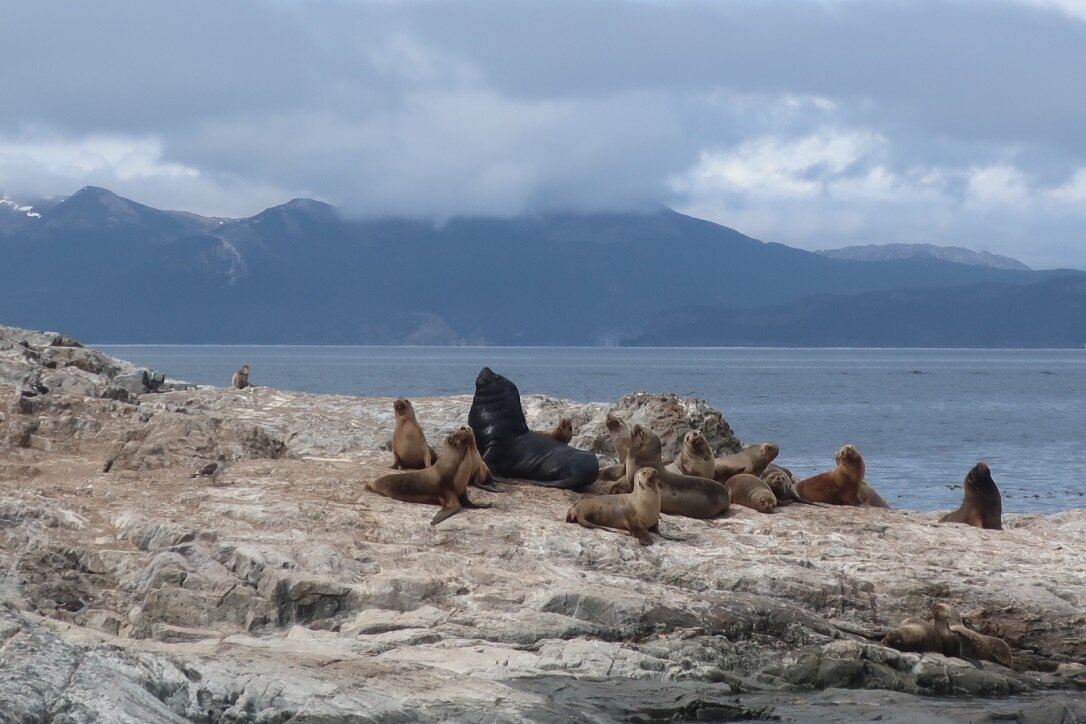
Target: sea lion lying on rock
(637, 512)
(435, 485)
(751, 491)
(683, 495)
(982, 505)
(752, 459)
(696, 457)
(509, 448)
(840, 486)
(974, 644)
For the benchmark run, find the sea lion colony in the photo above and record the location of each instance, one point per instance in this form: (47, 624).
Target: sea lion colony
(497, 445)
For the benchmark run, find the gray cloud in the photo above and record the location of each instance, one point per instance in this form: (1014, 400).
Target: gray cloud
(817, 123)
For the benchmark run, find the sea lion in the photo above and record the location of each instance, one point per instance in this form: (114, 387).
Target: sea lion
(952, 645)
(409, 448)
(473, 469)
(840, 486)
(783, 485)
(435, 485)
(637, 512)
(750, 491)
(620, 439)
(240, 378)
(982, 505)
(684, 495)
(696, 457)
(752, 459)
(973, 643)
(512, 450)
(915, 634)
(870, 497)
(562, 432)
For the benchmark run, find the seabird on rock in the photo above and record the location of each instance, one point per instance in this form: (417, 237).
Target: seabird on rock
(211, 471)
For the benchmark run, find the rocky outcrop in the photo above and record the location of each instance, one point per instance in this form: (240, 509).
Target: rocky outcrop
(288, 592)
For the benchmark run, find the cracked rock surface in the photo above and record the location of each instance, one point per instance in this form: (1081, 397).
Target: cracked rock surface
(286, 592)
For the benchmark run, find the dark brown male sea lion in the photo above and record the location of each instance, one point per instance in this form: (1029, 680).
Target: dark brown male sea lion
(435, 485)
(750, 491)
(982, 506)
(683, 495)
(637, 512)
(840, 486)
(409, 448)
(752, 459)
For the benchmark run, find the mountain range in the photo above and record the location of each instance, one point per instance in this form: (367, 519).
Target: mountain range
(107, 269)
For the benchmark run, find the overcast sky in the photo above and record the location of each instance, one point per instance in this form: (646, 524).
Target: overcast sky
(817, 124)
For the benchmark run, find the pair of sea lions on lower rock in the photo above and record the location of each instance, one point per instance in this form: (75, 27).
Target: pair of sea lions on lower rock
(444, 483)
(946, 634)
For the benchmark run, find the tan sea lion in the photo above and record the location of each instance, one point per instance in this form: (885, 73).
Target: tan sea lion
(982, 506)
(915, 634)
(562, 432)
(696, 457)
(940, 617)
(409, 448)
(620, 439)
(750, 491)
(473, 470)
(240, 378)
(684, 495)
(973, 643)
(840, 486)
(752, 459)
(435, 485)
(637, 512)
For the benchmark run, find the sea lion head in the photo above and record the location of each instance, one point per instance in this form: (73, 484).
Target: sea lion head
(979, 477)
(565, 425)
(245, 369)
(940, 612)
(486, 377)
(402, 406)
(697, 444)
(644, 441)
(848, 455)
(459, 439)
(647, 478)
(769, 450)
(470, 434)
(614, 424)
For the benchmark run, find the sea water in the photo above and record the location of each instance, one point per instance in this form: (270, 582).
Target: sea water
(921, 417)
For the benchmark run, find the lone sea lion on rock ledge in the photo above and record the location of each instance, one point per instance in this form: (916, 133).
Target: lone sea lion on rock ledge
(840, 486)
(982, 506)
(514, 451)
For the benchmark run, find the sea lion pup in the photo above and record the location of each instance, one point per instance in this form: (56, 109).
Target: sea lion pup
(409, 448)
(840, 486)
(473, 470)
(680, 494)
(511, 450)
(562, 432)
(637, 512)
(240, 378)
(915, 634)
(696, 457)
(435, 485)
(752, 459)
(750, 491)
(870, 497)
(973, 643)
(982, 505)
(620, 439)
(783, 485)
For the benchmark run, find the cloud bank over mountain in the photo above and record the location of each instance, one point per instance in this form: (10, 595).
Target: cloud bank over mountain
(817, 124)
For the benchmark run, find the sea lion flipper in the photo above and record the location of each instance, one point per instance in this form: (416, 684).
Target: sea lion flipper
(444, 513)
(642, 536)
(656, 529)
(466, 502)
(488, 485)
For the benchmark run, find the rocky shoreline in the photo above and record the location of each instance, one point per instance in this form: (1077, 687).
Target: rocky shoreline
(289, 593)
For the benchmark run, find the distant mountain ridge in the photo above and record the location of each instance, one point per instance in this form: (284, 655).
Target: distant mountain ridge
(108, 269)
(956, 254)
